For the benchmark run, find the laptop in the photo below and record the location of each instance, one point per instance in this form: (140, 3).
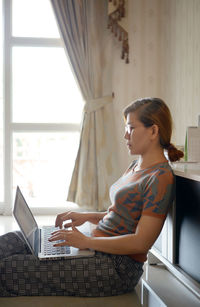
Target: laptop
(37, 238)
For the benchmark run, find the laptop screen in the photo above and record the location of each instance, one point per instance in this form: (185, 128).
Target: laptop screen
(25, 219)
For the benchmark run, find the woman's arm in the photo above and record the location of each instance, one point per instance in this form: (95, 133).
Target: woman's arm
(147, 232)
(95, 217)
(78, 218)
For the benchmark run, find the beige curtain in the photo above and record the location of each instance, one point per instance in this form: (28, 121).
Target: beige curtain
(83, 25)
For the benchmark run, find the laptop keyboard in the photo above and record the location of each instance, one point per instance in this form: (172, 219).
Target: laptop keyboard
(49, 249)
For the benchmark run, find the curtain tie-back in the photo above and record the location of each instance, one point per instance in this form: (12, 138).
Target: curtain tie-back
(95, 104)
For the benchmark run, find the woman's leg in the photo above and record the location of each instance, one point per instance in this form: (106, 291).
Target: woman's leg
(101, 275)
(12, 243)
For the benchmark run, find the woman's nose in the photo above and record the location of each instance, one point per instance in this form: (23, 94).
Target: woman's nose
(126, 135)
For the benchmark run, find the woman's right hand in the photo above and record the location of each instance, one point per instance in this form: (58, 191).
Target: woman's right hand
(77, 219)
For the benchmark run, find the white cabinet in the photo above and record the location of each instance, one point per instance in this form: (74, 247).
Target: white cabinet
(149, 298)
(159, 287)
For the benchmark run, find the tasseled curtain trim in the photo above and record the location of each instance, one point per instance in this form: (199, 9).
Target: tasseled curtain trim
(118, 30)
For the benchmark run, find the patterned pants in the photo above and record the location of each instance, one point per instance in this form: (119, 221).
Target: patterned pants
(100, 275)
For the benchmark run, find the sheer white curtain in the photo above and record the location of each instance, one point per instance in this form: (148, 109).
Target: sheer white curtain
(83, 26)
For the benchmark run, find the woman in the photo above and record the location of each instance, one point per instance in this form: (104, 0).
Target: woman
(123, 235)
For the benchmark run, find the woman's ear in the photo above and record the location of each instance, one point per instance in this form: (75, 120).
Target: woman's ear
(155, 131)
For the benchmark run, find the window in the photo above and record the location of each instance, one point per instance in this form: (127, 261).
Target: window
(40, 111)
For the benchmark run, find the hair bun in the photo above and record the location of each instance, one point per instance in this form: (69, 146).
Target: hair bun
(174, 154)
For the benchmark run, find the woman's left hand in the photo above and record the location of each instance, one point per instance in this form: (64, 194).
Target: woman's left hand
(72, 237)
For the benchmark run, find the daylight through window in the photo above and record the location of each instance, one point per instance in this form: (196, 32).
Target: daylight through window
(43, 107)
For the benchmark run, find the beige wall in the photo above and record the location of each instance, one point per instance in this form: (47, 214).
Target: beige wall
(164, 37)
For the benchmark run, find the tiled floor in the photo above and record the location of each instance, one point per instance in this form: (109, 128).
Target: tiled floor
(8, 223)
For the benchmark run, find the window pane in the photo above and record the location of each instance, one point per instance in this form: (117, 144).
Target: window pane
(34, 18)
(1, 108)
(43, 165)
(44, 88)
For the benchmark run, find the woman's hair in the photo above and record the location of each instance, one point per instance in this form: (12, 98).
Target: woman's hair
(152, 111)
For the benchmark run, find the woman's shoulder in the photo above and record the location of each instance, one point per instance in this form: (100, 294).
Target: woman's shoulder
(162, 172)
(163, 167)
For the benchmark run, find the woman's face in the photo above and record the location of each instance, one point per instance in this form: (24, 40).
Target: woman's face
(138, 137)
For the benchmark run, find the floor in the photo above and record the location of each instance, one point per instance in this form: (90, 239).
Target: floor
(127, 300)
(7, 223)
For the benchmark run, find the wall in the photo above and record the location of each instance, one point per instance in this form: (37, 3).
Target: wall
(164, 62)
(180, 49)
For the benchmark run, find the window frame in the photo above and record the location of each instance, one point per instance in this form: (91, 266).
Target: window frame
(10, 127)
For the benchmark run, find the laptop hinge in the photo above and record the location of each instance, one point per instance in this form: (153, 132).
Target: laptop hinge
(37, 241)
